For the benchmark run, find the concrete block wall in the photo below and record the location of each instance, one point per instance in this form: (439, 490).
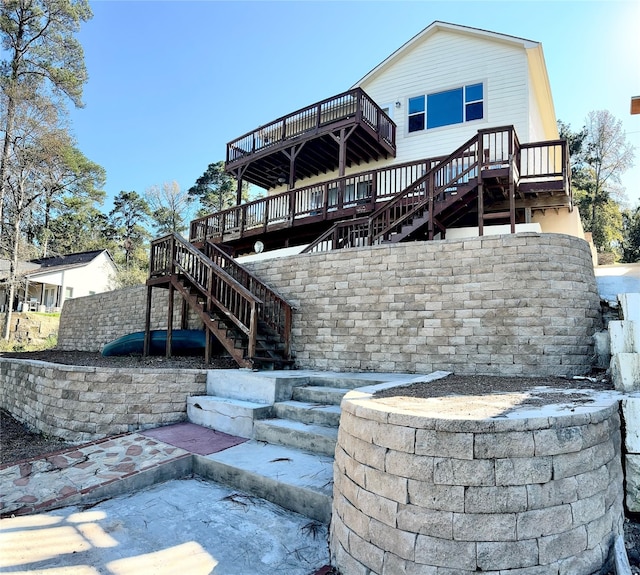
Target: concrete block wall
(88, 323)
(523, 304)
(80, 404)
(417, 493)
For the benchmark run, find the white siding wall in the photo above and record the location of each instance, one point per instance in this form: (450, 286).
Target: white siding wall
(447, 60)
(536, 129)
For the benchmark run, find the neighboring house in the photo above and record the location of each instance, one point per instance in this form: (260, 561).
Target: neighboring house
(446, 85)
(46, 283)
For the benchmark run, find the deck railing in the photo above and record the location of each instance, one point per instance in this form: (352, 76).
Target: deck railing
(274, 311)
(494, 149)
(328, 200)
(353, 103)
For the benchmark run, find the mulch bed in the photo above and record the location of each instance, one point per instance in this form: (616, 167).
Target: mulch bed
(95, 359)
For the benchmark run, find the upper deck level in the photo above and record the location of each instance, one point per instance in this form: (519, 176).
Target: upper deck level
(345, 130)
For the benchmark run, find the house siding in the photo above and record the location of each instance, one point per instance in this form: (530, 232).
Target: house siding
(448, 60)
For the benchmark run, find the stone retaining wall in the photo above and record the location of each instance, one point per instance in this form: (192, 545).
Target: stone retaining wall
(31, 328)
(522, 304)
(88, 323)
(418, 493)
(81, 404)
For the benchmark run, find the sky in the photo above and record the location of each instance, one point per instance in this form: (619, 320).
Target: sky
(171, 82)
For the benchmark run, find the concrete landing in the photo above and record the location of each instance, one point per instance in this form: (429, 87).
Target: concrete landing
(109, 513)
(189, 526)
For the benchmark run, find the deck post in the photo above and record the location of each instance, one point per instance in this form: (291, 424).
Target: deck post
(480, 207)
(147, 324)
(184, 315)
(481, 159)
(512, 196)
(169, 321)
(292, 154)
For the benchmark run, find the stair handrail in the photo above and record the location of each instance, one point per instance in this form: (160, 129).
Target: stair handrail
(177, 256)
(426, 189)
(275, 311)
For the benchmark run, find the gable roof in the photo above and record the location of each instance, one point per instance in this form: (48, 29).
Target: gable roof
(438, 26)
(67, 261)
(533, 49)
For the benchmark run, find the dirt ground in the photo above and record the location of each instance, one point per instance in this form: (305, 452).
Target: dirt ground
(18, 443)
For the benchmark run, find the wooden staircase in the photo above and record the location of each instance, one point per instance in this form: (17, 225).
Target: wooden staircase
(485, 166)
(249, 320)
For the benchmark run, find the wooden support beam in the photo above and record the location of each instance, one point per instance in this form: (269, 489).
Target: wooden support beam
(147, 323)
(184, 315)
(480, 208)
(496, 215)
(292, 154)
(169, 321)
(342, 138)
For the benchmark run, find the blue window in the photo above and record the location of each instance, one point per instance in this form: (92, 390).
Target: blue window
(456, 106)
(473, 97)
(444, 108)
(416, 114)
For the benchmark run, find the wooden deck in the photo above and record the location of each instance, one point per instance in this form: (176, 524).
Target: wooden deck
(538, 173)
(348, 129)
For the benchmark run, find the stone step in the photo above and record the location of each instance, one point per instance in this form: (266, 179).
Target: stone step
(305, 436)
(320, 394)
(233, 416)
(630, 305)
(296, 480)
(314, 413)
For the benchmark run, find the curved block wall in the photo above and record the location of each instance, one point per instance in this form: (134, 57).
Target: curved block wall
(419, 489)
(522, 304)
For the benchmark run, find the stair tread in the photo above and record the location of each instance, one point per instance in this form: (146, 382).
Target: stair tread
(329, 432)
(311, 405)
(283, 464)
(226, 400)
(327, 388)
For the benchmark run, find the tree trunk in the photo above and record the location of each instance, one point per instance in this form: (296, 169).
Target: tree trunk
(4, 161)
(13, 266)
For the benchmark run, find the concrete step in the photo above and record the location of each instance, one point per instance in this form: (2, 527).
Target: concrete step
(314, 413)
(308, 437)
(296, 480)
(320, 394)
(233, 416)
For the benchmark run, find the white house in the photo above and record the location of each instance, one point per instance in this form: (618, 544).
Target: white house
(445, 86)
(48, 282)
